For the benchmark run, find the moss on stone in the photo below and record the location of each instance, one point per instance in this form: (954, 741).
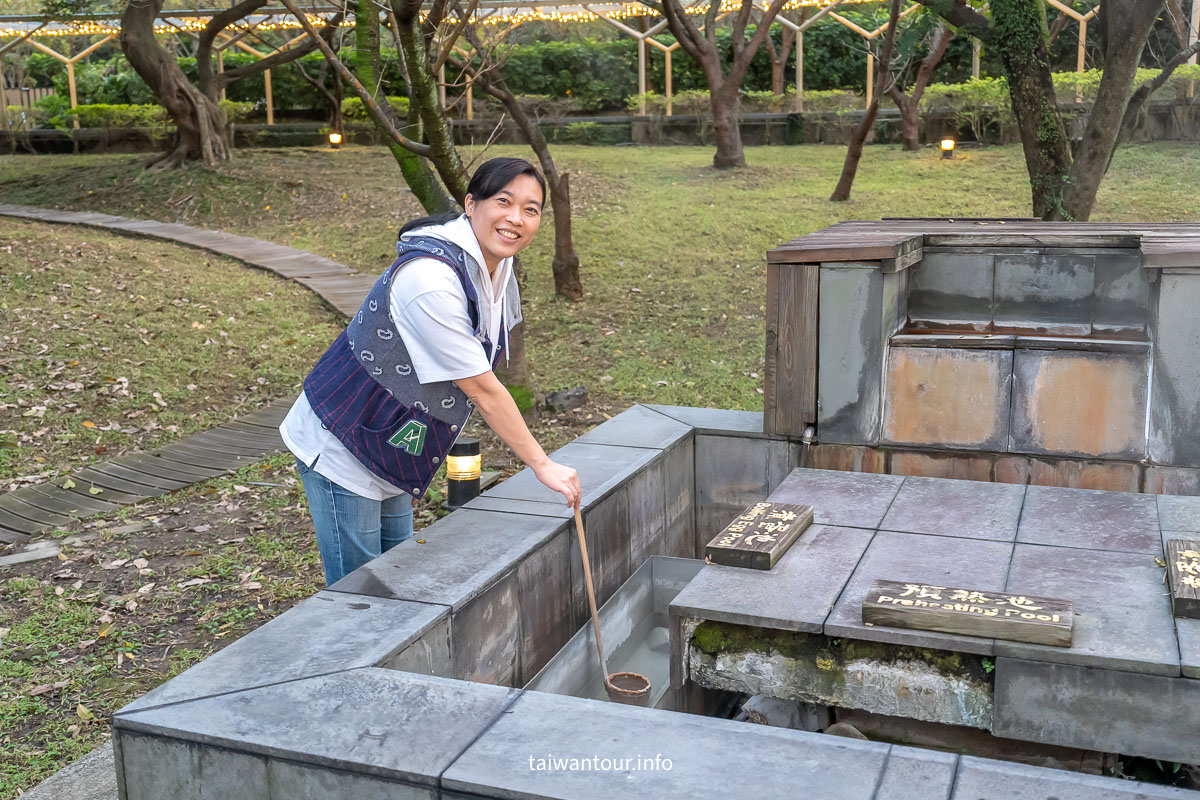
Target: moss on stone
(830, 655)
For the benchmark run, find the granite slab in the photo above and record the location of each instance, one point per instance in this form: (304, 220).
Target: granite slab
(1178, 513)
(1090, 518)
(506, 761)
(852, 499)
(912, 774)
(601, 468)
(968, 509)
(988, 779)
(1122, 616)
(1109, 710)
(328, 632)
(392, 724)
(920, 558)
(797, 594)
(952, 289)
(715, 420)
(485, 502)
(638, 426)
(462, 554)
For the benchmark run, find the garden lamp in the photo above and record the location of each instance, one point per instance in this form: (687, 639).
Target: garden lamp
(464, 465)
(948, 147)
(335, 139)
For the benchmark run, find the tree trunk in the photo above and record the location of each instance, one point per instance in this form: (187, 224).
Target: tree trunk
(1127, 25)
(910, 123)
(1020, 36)
(424, 98)
(566, 262)
(726, 131)
(859, 136)
(200, 125)
(416, 170)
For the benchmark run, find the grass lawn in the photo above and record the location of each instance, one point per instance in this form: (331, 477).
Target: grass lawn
(111, 344)
(674, 274)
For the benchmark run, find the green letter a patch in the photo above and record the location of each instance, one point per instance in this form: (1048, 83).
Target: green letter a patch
(410, 438)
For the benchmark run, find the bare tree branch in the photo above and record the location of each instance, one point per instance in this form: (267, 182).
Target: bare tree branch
(282, 57)
(452, 37)
(381, 117)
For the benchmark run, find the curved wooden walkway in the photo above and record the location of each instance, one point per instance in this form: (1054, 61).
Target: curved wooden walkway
(217, 451)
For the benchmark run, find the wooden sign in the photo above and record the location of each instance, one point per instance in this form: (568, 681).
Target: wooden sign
(1018, 618)
(1183, 564)
(760, 535)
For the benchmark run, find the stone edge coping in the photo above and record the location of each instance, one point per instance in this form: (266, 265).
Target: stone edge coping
(486, 752)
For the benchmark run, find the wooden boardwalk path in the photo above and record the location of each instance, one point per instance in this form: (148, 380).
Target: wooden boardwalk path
(243, 440)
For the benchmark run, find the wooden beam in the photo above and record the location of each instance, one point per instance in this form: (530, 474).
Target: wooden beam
(790, 368)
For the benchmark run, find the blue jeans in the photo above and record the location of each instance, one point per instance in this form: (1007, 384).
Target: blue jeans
(351, 529)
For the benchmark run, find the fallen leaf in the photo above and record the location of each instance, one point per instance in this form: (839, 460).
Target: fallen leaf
(83, 712)
(222, 541)
(95, 490)
(68, 484)
(193, 582)
(146, 588)
(241, 489)
(104, 629)
(89, 424)
(141, 563)
(252, 585)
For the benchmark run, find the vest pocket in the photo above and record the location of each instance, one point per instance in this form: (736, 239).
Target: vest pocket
(404, 447)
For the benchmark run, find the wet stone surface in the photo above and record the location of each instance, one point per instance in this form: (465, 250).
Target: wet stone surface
(852, 499)
(1090, 519)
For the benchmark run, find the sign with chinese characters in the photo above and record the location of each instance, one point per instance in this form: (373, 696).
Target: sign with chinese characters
(758, 537)
(1183, 564)
(923, 606)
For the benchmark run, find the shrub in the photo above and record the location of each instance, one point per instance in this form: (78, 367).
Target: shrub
(354, 110)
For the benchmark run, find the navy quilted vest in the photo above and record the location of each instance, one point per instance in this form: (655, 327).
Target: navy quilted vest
(365, 390)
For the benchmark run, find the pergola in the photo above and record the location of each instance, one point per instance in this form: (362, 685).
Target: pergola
(246, 35)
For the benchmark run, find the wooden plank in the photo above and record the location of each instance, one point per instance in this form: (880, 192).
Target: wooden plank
(62, 501)
(791, 356)
(16, 505)
(1183, 565)
(118, 476)
(849, 250)
(11, 536)
(758, 537)
(215, 455)
(89, 476)
(994, 615)
(902, 261)
(149, 467)
(182, 456)
(1039, 239)
(153, 465)
(109, 494)
(231, 443)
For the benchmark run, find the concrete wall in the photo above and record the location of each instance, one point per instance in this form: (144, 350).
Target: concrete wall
(1056, 365)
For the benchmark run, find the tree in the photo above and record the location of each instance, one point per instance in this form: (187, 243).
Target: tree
(1063, 184)
(858, 136)
(200, 129)
(489, 77)
(909, 103)
(723, 86)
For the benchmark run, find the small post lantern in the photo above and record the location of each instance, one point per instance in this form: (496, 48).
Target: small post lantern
(335, 139)
(464, 465)
(948, 147)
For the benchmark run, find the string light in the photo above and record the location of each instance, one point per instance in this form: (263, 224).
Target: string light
(516, 17)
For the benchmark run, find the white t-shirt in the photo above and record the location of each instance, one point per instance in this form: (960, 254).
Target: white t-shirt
(429, 308)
